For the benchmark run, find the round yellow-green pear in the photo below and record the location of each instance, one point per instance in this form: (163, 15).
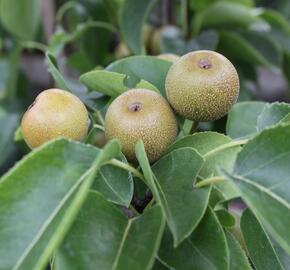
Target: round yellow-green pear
(141, 114)
(202, 85)
(54, 113)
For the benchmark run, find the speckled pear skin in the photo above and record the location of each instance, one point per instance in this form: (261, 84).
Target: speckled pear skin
(54, 113)
(141, 114)
(202, 86)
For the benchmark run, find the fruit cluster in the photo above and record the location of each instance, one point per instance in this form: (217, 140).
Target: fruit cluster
(200, 86)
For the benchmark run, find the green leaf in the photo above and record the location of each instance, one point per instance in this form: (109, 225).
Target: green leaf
(159, 266)
(53, 70)
(238, 259)
(259, 247)
(132, 20)
(183, 205)
(272, 114)
(8, 125)
(148, 68)
(115, 184)
(251, 47)
(227, 14)
(225, 218)
(284, 258)
(206, 248)
(21, 18)
(103, 238)
(40, 197)
(262, 175)
(112, 83)
(217, 152)
(145, 166)
(242, 119)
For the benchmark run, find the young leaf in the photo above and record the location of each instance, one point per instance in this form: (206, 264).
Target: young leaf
(111, 83)
(238, 259)
(103, 238)
(242, 119)
(21, 18)
(132, 20)
(272, 114)
(259, 247)
(183, 205)
(39, 198)
(148, 68)
(115, 184)
(206, 248)
(261, 173)
(213, 147)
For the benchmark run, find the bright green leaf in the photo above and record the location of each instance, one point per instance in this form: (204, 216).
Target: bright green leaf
(259, 247)
(206, 248)
(262, 175)
(242, 119)
(40, 197)
(183, 205)
(148, 68)
(112, 83)
(115, 184)
(238, 259)
(217, 152)
(103, 238)
(272, 114)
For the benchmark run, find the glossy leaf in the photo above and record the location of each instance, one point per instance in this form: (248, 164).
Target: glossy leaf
(259, 247)
(213, 147)
(137, 11)
(115, 184)
(21, 18)
(112, 83)
(238, 259)
(272, 114)
(40, 197)
(148, 68)
(262, 175)
(242, 119)
(183, 205)
(206, 248)
(103, 238)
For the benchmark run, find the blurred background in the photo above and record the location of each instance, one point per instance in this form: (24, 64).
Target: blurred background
(87, 34)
